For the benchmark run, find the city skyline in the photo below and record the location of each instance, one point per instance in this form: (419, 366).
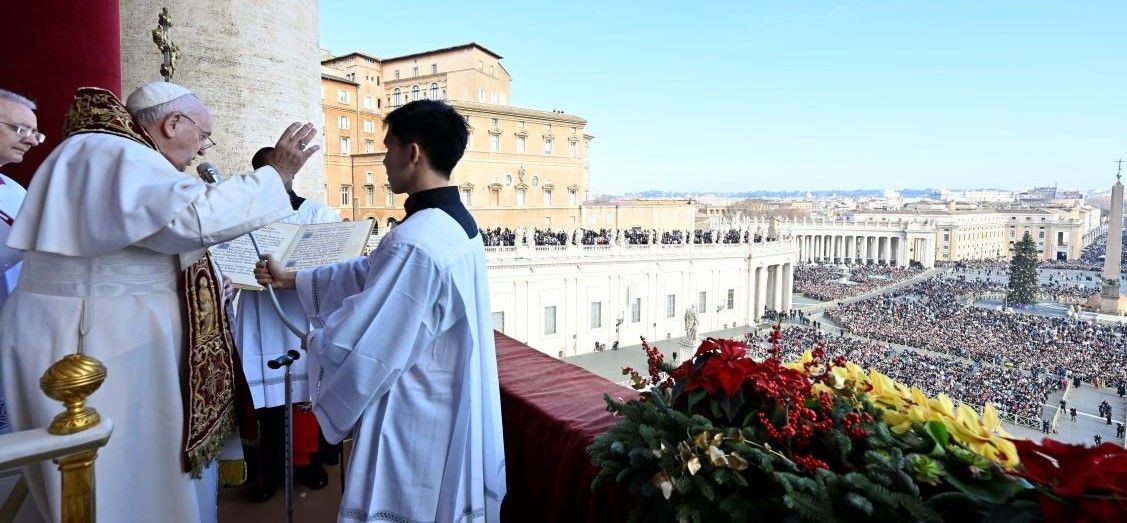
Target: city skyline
(834, 96)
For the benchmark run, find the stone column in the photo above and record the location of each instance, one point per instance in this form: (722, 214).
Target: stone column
(255, 64)
(788, 286)
(760, 291)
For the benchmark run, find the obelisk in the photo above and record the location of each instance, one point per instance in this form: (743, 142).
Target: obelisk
(1110, 299)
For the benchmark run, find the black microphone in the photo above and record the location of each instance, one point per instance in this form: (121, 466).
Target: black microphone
(285, 360)
(208, 173)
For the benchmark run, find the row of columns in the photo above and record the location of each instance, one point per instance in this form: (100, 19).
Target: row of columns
(771, 288)
(887, 250)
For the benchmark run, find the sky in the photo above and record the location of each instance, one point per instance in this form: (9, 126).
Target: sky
(800, 94)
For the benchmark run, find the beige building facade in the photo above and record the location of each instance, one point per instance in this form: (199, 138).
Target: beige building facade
(522, 167)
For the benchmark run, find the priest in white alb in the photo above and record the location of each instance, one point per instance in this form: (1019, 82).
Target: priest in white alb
(402, 346)
(115, 236)
(19, 132)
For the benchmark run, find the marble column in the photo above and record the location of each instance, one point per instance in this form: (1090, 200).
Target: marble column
(760, 291)
(788, 286)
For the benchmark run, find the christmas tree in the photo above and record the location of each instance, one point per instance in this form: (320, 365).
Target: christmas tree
(1023, 272)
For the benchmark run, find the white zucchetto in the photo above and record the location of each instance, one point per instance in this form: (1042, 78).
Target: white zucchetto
(153, 94)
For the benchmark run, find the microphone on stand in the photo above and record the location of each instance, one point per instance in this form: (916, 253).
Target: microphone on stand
(208, 173)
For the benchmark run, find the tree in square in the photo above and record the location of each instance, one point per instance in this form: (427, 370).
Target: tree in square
(1022, 288)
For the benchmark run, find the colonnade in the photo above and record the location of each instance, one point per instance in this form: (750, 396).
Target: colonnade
(893, 250)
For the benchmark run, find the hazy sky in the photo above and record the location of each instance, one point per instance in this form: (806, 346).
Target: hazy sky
(746, 95)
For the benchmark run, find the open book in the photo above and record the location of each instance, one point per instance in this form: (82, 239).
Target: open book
(296, 247)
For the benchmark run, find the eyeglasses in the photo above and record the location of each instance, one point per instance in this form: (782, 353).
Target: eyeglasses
(205, 139)
(24, 131)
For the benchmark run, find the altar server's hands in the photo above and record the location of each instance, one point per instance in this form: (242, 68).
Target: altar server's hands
(293, 149)
(268, 272)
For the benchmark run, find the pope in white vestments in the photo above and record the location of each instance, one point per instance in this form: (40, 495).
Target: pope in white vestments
(402, 346)
(108, 225)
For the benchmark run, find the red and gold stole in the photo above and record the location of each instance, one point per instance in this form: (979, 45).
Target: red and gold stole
(213, 382)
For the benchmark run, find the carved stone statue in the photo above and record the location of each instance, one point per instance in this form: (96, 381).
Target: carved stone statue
(691, 325)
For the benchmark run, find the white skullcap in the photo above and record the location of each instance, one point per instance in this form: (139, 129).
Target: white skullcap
(153, 94)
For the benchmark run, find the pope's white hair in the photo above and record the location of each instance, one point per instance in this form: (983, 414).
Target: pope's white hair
(151, 115)
(17, 98)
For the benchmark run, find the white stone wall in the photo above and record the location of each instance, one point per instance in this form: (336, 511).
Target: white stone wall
(255, 63)
(524, 280)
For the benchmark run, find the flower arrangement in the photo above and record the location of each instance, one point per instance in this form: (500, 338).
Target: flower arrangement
(722, 437)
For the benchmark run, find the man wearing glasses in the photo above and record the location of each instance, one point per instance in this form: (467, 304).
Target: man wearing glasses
(17, 136)
(115, 234)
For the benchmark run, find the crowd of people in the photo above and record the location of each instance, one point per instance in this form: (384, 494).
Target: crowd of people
(823, 282)
(934, 315)
(1010, 390)
(505, 237)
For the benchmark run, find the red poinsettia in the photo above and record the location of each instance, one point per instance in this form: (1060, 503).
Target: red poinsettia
(1082, 484)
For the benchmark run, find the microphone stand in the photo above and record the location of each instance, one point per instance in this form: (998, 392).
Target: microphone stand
(286, 361)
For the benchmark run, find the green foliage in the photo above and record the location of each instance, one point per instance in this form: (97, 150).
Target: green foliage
(1022, 288)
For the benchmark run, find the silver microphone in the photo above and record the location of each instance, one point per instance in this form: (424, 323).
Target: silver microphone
(208, 173)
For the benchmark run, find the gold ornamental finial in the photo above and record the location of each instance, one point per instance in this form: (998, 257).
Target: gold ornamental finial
(71, 380)
(167, 47)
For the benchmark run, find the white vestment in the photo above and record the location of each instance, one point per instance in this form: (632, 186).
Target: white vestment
(108, 224)
(404, 342)
(261, 336)
(11, 197)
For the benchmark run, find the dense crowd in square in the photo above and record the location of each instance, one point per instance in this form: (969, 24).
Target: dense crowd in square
(822, 282)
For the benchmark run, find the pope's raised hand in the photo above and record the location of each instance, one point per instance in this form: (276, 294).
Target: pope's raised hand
(293, 149)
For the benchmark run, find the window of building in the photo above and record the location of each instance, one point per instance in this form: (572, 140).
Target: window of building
(415, 71)
(571, 198)
(346, 195)
(414, 93)
(342, 96)
(434, 91)
(547, 146)
(636, 311)
(389, 198)
(397, 74)
(702, 302)
(369, 126)
(395, 100)
(670, 305)
(494, 143)
(548, 128)
(550, 319)
(547, 197)
(344, 122)
(433, 68)
(369, 195)
(368, 177)
(520, 197)
(520, 144)
(573, 129)
(1041, 235)
(369, 146)
(596, 314)
(493, 122)
(368, 103)
(547, 221)
(573, 149)
(520, 124)
(508, 179)
(731, 299)
(345, 145)
(465, 194)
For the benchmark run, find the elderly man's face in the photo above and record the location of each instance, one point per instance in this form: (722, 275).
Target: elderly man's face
(12, 145)
(182, 136)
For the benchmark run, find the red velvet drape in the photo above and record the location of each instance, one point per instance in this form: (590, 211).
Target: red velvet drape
(53, 47)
